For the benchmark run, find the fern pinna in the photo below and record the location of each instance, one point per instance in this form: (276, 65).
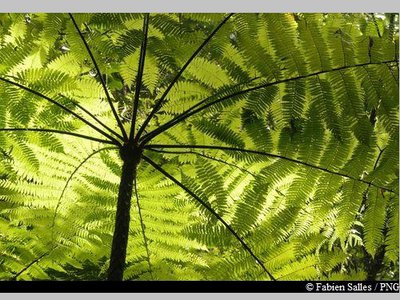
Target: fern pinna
(199, 146)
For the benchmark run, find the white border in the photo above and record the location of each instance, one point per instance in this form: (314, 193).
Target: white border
(197, 6)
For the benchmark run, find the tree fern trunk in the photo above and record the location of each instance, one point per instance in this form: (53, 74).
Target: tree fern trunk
(121, 231)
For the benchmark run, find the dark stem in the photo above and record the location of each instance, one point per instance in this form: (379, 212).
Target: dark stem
(93, 117)
(369, 185)
(268, 155)
(214, 159)
(162, 128)
(379, 157)
(61, 106)
(212, 211)
(130, 156)
(139, 76)
(36, 260)
(69, 180)
(143, 227)
(376, 25)
(196, 109)
(101, 78)
(160, 102)
(60, 132)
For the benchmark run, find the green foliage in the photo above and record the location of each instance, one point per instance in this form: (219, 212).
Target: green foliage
(314, 95)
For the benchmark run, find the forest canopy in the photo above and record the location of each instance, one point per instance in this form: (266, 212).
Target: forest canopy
(199, 146)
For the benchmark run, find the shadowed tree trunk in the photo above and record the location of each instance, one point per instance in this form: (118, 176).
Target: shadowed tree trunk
(130, 156)
(375, 264)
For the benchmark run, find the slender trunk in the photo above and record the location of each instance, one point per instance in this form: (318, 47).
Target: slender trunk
(121, 231)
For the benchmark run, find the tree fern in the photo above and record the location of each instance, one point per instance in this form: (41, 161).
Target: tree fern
(198, 146)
